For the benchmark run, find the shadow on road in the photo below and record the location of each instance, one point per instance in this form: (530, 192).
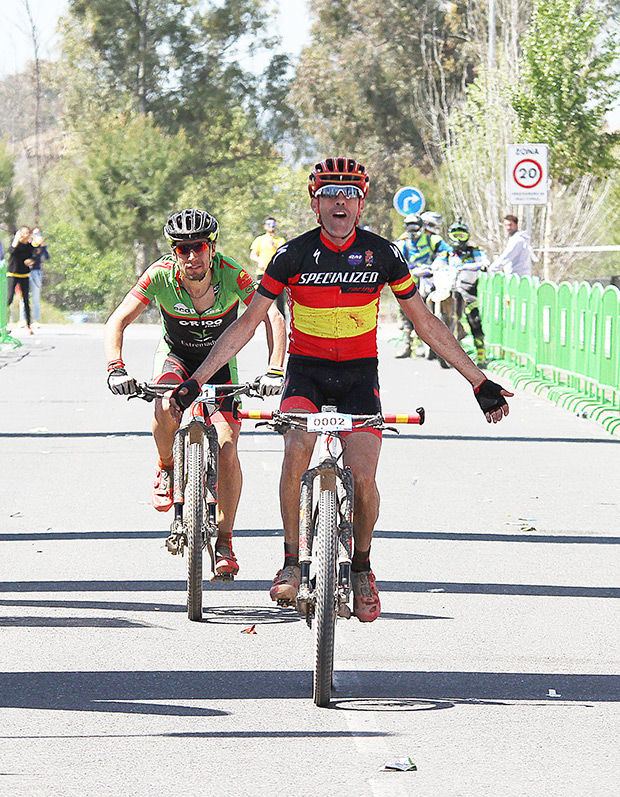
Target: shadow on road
(543, 590)
(554, 539)
(130, 691)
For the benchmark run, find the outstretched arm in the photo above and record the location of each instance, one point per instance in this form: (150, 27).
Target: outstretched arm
(437, 335)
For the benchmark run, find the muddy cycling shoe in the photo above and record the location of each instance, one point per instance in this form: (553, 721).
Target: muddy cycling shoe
(286, 585)
(225, 561)
(366, 603)
(161, 497)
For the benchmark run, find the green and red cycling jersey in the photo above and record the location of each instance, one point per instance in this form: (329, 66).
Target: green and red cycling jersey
(333, 292)
(187, 333)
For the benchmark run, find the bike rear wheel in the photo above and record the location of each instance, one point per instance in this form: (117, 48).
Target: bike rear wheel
(326, 599)
(193, 516)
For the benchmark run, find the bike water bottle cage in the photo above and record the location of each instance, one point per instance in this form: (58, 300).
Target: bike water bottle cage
(489, 396)
(192, 389)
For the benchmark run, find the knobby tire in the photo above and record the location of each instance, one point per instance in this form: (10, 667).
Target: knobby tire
(326, 598)
(194, 509)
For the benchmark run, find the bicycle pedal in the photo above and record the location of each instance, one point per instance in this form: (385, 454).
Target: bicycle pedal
(287, 602)
(174, 545)
(224, 577)
(344, 610)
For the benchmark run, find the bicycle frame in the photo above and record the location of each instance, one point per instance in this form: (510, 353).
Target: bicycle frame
(194, 430)
(330, 477)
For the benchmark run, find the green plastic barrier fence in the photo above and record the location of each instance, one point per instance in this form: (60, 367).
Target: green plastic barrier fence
(4, 310)
(580, 355)
(563, 340)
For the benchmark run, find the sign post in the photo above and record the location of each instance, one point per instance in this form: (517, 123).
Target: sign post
(409, 200)
(527, 177)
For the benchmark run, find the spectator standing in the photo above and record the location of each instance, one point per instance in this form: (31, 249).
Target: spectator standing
(21, 260)
(36, 277)
(517, 255)
(263, 249)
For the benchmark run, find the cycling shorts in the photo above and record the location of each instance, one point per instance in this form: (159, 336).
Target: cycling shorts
(352, 386)
(178, 369)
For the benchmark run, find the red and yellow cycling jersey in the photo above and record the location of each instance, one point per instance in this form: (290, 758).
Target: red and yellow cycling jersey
(333, 292)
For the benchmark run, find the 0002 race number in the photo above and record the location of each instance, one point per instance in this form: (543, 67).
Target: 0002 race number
(329, 421)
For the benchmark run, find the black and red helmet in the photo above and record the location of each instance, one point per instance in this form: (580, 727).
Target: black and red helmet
(333, 171)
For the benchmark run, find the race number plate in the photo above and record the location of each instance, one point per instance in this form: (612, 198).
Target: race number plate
(329, 422)
(208, 392)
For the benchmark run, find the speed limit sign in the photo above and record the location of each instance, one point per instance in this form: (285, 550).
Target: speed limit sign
(527, 174)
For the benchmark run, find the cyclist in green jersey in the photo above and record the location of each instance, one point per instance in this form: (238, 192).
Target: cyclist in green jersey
(198, 291)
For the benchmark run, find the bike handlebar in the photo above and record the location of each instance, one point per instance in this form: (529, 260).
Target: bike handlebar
(298, 419)
(152, 390)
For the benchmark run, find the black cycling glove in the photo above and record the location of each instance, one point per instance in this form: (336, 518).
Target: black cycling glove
(192, 392)
(489, 395)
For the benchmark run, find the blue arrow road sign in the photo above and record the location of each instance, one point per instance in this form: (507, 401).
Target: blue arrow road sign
(409, 200)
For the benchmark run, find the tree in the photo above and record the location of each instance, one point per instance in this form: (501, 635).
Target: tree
(80, 276)
(569, 81)
(11, 197)
(123, 182)
(378, 80)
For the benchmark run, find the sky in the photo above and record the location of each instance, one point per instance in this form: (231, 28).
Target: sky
(16, 43)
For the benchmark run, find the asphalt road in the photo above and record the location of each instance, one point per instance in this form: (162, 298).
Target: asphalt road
(494, 666)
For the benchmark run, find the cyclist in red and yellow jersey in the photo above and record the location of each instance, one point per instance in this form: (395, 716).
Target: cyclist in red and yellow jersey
(333, 276)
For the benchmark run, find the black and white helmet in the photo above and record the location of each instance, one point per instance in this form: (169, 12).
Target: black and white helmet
(191, 225)
(433, 220)
(413, 222)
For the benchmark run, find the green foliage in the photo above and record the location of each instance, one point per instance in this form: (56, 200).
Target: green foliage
(125, 181)
(569, 81)
(80, 276)
(240, 196)
(376, 83)
(11, 197)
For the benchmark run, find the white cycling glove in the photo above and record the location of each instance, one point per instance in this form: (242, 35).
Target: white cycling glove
(119, 381)
(270, 384)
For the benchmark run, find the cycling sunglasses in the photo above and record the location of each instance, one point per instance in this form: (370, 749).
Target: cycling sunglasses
(332, 191)
(194, 246)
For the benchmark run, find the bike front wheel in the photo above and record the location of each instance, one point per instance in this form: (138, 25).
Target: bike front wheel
(325, 596)
(193, 516)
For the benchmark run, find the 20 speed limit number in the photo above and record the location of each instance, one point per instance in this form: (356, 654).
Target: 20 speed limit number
(527, 173)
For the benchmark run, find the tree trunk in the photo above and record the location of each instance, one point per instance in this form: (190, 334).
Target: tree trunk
(142, 257)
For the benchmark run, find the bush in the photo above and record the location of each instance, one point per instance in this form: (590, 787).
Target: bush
(78, 277)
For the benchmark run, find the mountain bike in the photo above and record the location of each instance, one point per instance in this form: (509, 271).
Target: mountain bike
(326, 526)
(195, 451)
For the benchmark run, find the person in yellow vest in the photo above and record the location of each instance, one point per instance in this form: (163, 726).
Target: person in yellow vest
(263, 249)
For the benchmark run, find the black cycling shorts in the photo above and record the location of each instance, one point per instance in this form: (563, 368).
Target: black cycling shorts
(351, 385)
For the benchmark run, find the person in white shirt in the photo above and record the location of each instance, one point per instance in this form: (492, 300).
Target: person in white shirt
(517, 255)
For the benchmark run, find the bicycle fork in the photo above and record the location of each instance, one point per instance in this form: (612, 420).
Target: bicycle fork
(193, 432)
(329, 475)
